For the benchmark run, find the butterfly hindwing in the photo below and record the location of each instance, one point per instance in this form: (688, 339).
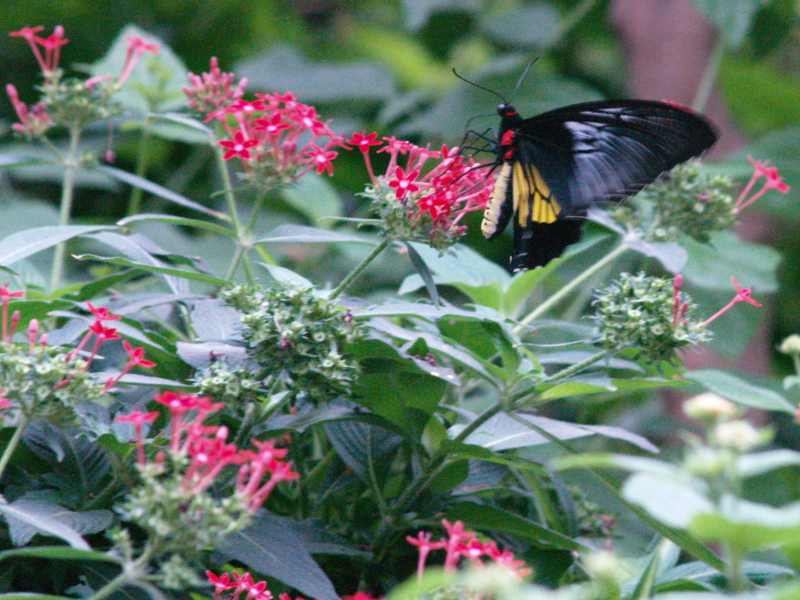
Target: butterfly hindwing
(556, 165)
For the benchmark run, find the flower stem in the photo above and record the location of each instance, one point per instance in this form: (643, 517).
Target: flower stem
(71, 163)
(709, 75)
(130, 573)
(142, 158)
(13, 443)
(567, 289)
(357, 271)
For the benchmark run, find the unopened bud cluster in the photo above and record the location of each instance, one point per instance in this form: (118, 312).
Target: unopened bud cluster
(45, 382)
(688, 201)
(295, 335)
(638, 311)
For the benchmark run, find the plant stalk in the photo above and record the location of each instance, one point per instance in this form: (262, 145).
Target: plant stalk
(142, 160)
(13, 443)
(357, 271)
(567, 289)
(71, 163)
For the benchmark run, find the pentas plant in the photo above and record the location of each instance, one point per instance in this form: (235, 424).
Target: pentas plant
(692, 201)
(424, 194)
(653, 315)
(276, 138)
(44, 382)
(461, 544)
(69, 102)
(174, 503)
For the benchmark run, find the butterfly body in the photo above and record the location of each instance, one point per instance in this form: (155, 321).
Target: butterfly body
(554, 166)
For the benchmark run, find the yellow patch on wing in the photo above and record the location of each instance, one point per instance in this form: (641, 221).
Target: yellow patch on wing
(492, 212)
(532, 198)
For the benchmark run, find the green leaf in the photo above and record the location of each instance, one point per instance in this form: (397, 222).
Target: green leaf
(740, 391)
(26, 243)
(750, 465)
(732, 18)
(213, 320)
(179, 128)
(748, 525)
(501, 432)
(27, 517)
(156, 190)
(712, 265)
(58, 553)
(364, 447)
(179, 221)
(482, 516)
(172, 273)
(424, 272)
(532, 24)
(671, 501)
(274, 547)
(283, 68)
(417, 12)
(302, 234)
(288, 277)
(313, 196)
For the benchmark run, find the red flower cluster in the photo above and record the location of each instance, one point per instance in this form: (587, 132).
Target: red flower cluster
(214, 89)
(274, 136)
(773, 182)
(254, 590)
(51, 45)
(464, 544)
(209, 451)
(444, 192)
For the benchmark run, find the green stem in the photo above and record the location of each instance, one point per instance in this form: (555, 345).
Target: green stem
(13, 443)
(709, 76)
(737, 583)
(567, 289)
(71, 163)
(415, 488)
(142, 159)
(578, 366)
(357, 271)
(130, 573)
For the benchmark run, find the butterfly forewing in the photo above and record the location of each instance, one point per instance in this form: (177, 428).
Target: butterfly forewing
(556, 165)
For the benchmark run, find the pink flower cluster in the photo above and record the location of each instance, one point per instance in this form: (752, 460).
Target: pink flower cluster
(773, 182)
(244, 583)
(272, 135)
(35, 121)
(104, 334)
(445, 191)
(679, 308)
(214, 89)
(464, 544)
(209, 451)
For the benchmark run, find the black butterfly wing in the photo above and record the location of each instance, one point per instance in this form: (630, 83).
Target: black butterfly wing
(596, 151)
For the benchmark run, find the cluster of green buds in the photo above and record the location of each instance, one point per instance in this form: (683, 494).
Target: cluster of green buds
(293, 336)
(647, 313)
(689, 201)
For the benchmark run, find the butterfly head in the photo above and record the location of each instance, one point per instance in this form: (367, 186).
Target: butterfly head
(506, 110)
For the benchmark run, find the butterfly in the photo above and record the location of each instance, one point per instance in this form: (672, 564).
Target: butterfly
(556, 165)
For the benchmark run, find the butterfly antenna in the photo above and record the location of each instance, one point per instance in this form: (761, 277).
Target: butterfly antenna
(523, 76)
(480, 87)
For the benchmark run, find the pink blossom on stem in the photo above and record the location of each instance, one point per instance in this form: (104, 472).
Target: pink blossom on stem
(773, 182)
(277, 135)
(212, 90)
(135, 359)
(138, 419)
(679, 309)
(136, 49)
(29, 34)
(425, 545)
(742, 295)
(6, 295)
(52, 49)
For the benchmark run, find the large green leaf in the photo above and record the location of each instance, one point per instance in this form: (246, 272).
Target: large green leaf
(273, 546)
(740, 391)
(733, 18)
(482, 516)
(26, 243)
(363, 447)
